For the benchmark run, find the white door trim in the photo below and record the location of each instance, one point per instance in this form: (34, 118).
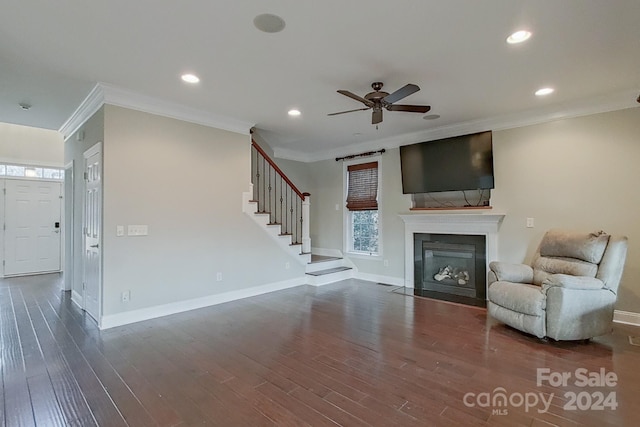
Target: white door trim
(67, 225)
(95, 149)
(2, 224)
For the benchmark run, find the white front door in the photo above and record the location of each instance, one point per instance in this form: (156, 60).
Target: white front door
(92, 231)
(32, 227)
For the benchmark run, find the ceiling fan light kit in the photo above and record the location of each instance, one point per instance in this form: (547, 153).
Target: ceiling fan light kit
(378, 99)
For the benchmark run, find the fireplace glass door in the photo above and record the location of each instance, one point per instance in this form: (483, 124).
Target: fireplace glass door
(450, 267)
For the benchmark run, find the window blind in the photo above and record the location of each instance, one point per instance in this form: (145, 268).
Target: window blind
(362, 192)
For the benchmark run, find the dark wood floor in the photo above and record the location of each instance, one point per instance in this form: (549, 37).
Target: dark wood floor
(352, 354)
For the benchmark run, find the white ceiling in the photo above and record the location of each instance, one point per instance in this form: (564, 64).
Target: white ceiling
(53, 53)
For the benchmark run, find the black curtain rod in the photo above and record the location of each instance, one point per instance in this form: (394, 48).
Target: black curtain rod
(353, 156)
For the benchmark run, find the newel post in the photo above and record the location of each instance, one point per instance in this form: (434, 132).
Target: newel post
(306, 238)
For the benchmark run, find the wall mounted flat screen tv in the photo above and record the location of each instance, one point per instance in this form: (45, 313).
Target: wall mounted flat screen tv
(450, 164)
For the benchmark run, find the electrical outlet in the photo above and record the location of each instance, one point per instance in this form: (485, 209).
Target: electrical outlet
(120, 230)
(126, 296)
(386, 263)
(218, 277)
(287, 265)
(530, 222)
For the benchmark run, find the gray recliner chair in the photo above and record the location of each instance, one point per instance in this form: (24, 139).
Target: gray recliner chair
(569, 290)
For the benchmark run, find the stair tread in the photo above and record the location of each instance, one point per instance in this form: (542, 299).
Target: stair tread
(328, 271)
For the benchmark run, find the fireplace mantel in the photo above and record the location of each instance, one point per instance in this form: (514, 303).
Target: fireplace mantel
(486, 224)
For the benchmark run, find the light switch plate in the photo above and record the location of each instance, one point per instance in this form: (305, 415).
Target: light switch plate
(137, 230)
(120, 230)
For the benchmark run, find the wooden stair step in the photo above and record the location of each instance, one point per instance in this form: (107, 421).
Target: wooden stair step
(328, 271)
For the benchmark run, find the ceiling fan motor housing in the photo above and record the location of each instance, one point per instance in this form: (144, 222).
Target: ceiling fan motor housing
(378, 94)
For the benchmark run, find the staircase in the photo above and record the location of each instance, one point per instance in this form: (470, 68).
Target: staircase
(279, 208)
(274, 229)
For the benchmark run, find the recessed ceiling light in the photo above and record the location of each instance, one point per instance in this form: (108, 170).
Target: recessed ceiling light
(519, 37)
(269, 23)
(432, 117)
(545, 91)
(294, 112)
(25, 106)
(190, 78)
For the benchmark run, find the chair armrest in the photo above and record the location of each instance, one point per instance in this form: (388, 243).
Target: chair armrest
(518, 273)
(572, 282)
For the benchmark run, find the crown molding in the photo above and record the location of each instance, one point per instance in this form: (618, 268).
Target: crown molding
(86, 109)
(602, 104)
(104, 93)
(147, 104)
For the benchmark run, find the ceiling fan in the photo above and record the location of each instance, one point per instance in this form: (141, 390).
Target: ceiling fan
(377, 100)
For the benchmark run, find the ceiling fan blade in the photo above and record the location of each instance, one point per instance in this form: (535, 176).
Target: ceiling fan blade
(356, 97)
(409, 108)
(403, 92)
(349, 111)
(376, 117)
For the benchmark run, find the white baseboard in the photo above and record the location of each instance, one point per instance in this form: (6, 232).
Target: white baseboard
(133, 316)
(387, 280)
(76, 298)
(327, 252)
(626, 317)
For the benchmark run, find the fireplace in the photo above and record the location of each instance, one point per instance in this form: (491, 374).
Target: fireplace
(461, 228)
(450, 267)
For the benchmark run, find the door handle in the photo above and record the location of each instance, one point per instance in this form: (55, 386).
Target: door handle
(97, 245)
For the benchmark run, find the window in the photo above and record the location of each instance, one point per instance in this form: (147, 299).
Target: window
(364, 225)
(19, 171)
(14, 170)
(363, 219)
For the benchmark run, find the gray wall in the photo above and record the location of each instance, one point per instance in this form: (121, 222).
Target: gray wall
(184, 181)
(579, 173)
(31, 146)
